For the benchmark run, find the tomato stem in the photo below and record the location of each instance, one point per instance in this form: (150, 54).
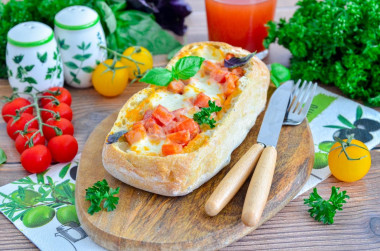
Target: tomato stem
(345, 144)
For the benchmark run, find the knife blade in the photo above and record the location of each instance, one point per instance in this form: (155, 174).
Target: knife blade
(239, 173)
(274, 115)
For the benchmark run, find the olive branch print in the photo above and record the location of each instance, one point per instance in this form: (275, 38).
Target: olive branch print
(79, 66)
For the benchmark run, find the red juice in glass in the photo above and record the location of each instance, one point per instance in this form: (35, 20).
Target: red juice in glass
(239, 22)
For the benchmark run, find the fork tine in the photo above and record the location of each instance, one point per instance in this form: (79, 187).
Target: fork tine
(293, 95)
(309, 99)
(297, 95)
(304, 96)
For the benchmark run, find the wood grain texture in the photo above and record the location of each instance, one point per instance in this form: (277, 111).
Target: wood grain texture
(146, 220)
(355, 228)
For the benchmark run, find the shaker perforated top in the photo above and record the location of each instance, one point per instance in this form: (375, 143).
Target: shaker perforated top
(76, 18)
(30, 34)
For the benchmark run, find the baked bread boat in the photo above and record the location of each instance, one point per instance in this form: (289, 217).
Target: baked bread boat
(158, 147)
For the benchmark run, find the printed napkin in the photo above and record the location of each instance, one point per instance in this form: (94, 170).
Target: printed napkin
(42, 206)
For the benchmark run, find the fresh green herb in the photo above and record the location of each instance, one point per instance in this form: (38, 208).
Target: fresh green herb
(203, 117)
(3, 156)
(184, 68)
(236, 62)
(101, 191)
(279, 74)
(336, 42)
(325, 210)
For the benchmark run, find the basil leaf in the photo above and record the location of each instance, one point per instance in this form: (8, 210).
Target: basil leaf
(236, 62)
(158, 76)
(187, 67)
(280, 72)
(3, 156)
(115, 137)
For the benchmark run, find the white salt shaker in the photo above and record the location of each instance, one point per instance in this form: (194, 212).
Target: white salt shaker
(32, 58)
(79, 33)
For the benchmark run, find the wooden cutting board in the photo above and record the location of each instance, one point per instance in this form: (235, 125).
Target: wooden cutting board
(143, 220)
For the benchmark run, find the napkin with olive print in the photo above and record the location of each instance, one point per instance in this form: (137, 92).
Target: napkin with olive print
(42, 206)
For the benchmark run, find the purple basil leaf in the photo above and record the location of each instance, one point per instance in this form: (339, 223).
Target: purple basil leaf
(170, 14)
(236, 62)
(115, 137)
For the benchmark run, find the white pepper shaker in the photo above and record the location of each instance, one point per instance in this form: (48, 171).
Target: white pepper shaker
(79, 33)
(32, 58)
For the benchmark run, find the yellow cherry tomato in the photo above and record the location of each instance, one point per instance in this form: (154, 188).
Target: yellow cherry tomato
(139, 54)
(110, 79)
(345, 169)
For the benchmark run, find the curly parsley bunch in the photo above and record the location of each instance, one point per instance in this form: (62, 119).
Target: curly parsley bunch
(336, 42)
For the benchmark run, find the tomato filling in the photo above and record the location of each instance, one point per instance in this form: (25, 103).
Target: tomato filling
(177, 128)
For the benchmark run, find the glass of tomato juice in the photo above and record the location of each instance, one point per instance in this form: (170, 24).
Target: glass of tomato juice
(240, 22)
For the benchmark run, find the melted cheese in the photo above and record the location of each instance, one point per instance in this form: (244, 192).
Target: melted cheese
(147, 145)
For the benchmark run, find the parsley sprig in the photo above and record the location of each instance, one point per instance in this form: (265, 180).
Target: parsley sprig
(184, 68)
(97, 193)
(203, 117)
(325, 210)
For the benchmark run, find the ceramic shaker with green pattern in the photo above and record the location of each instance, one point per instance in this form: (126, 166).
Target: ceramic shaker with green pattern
(32, 57)
(79, 33)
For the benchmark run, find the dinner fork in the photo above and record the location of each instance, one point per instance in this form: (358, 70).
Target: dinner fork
(298, 106)
(299, 102)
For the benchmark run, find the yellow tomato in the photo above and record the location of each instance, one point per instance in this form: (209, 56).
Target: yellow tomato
(112, 82)
(139, 54)
(349, 170)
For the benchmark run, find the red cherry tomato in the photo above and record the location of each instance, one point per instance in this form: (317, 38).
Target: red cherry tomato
(11, 107)
(63, 148)
(62, 94)
(62, 123)
(20, 124)
(21, 140)
(36, 159)
(62, 108)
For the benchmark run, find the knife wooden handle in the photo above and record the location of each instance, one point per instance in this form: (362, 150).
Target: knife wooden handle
(232, 182)
(259, 187)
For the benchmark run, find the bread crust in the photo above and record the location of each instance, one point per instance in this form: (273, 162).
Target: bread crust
(180, 174)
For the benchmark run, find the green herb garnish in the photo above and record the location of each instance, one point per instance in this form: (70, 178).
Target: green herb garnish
(3, 156)
(279, 74)
(334, 41)
(325, 210)
(203, 117)
(97, 193)
(184, 68)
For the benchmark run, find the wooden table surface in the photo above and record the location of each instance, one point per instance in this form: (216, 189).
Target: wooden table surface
(356, 227)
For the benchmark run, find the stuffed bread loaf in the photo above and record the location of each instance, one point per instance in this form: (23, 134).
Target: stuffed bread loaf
(164, 150)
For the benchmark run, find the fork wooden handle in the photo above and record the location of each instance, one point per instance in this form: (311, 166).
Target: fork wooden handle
(259, 187)
(232, 182)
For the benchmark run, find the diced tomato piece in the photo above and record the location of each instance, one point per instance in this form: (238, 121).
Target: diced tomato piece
(181, 137)
(137, 125)
(186, 81)
(162, 115)
(229, 56)
(176, 86)
(202, 100)
(209, 66)
(149, 123)
(136, 134)
(156, 132)
(219, 75)
(230, 84)
(171, 148)
(187, 125)
(148, 114)
(179, 114)
(238, 71)
(169, 127)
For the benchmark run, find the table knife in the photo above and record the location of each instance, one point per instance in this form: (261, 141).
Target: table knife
(264, 150)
